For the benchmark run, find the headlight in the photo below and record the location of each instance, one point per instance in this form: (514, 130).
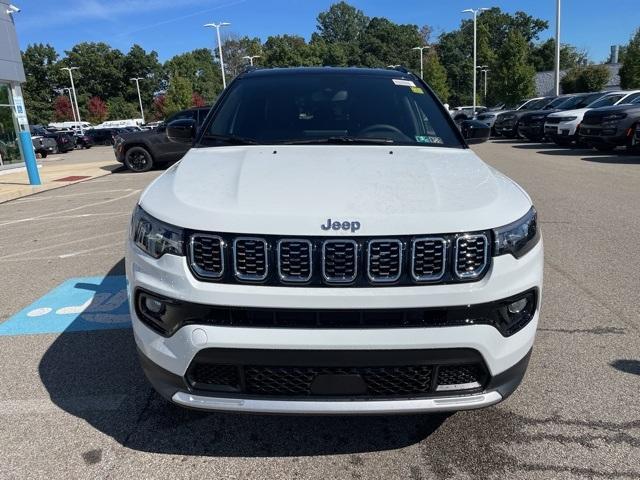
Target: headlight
(568, 119)
(155, 237)
(518, 237)
(614, 116)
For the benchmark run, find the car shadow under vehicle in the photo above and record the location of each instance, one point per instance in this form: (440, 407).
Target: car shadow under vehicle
(94, 375)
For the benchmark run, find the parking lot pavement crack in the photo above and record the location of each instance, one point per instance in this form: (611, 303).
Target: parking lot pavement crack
(625, 318)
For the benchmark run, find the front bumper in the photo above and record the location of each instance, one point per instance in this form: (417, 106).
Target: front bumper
(597, 135)
(532, 130)
(166, 360)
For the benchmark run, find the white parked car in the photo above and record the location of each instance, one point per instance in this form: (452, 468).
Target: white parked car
(330, 245)
(562, 127)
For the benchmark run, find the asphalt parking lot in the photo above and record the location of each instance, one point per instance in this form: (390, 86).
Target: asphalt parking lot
(74, 402)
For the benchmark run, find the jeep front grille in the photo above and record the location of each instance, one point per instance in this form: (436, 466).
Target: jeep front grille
(355, 262)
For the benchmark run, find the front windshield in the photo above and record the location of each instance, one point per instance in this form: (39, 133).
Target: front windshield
(579, 101)
(536, 104)
(329, 108)
(557, 102)
(606, 101)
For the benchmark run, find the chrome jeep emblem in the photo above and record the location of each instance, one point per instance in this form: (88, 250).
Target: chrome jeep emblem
(354, 226)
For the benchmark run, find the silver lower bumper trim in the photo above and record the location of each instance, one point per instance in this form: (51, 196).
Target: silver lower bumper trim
(328, 407)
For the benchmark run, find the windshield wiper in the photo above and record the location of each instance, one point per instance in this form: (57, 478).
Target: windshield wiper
(339, 140)
(232, 139)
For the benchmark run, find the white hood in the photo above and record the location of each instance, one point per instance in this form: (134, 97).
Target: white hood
(293, 190)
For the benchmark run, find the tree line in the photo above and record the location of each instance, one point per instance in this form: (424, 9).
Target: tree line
(508, 44)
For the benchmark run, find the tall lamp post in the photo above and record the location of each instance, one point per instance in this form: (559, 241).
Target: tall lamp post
(217, 27)
(485, 70)
(137, 80)
(426, 47)
(73, 109)
(475, 37)
(75, 97)
(250, 58)
(557, 63)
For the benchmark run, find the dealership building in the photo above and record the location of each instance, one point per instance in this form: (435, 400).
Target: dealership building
(13, 118)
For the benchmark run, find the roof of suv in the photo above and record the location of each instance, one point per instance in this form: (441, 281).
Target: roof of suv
(387, 72)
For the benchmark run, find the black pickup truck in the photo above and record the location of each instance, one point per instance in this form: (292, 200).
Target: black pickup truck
(141, 151)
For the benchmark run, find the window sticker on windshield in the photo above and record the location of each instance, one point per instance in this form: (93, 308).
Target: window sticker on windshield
(428, 139)
(417, 90)
(403, 83)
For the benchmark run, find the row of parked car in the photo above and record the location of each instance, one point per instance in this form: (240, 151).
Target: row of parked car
(49, 141)
(602, 120)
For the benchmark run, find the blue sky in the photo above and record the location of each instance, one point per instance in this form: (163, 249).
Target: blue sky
(175, 26)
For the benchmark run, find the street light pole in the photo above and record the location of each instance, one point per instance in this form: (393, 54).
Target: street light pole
(475, 37)
(557, 65)
(484, 69)
(73, 109)
(421, 63)
(217, 27)
(137, 80)
(75, 96)
(250, 58)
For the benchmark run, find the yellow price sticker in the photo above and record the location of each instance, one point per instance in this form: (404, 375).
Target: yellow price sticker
(417, 90)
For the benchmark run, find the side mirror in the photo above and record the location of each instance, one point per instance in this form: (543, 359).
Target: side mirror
(474, 131)
(182, 131)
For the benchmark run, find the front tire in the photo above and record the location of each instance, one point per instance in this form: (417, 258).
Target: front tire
(138, 159)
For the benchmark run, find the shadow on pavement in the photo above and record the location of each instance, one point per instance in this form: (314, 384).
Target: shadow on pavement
(95, 376)
(627, 366)
(620, 158)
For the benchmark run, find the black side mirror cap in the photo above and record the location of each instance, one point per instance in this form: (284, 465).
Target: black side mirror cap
(474, 131)
(182, 131)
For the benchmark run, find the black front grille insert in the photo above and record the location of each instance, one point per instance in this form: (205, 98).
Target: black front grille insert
(206, 255)
(438, 372)
(340, 261)
(250, 258)
(384, 261)
(295, 260)
(553, 120)
(335, 262)
(471, 256)
(428, 259)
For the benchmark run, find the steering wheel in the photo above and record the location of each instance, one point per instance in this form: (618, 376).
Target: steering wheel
(378, 127)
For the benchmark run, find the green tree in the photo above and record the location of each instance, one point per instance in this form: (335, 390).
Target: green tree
(543, 56)
(341, 23)
(234, 51)
(119, 109)
(289, 51)
(436, 76)
(386, 43)
(100, 70)
(40, 89)
(590, 78)
(513, 76)
(138, 63)
(179, 95)
(199, 69)
(630, 70)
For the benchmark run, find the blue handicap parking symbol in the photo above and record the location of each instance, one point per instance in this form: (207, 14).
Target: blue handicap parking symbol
(79, 304)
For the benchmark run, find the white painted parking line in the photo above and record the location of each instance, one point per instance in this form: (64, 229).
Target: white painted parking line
(38, 198)
(81, 252)
(30, 406)
(54, 214)
(49, 247)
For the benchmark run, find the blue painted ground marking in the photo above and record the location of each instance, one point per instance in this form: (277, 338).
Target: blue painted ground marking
(77, 305)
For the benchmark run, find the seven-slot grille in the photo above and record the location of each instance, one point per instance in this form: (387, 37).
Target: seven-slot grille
(294, 260)
(340, 261)
(317, 261)
(384, 261)
(250, 258)
(471, 255)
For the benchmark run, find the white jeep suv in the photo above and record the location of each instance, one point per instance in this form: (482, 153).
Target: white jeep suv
(330, 245)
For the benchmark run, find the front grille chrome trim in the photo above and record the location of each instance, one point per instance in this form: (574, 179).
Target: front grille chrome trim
(290, 278)
(429, 278)
(339, 280)
(393, 279)
(478, 271)
(246, 277)
(200, 272)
